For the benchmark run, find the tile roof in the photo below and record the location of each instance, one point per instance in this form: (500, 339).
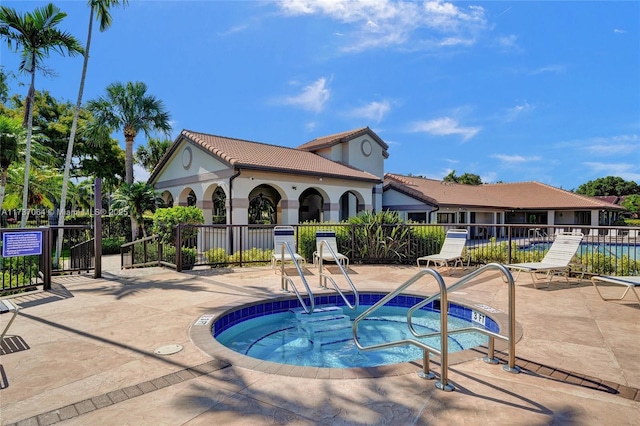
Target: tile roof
(261, 156)
(330, 140)
(520, 195)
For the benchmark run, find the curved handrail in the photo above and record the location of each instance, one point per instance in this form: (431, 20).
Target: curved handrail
(285, 279)
(512, 313)
(326, 277)
(442, 352)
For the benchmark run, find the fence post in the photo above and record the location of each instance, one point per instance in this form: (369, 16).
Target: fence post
(47, 265)
(97, 229)
(178, 248)
(509, 228)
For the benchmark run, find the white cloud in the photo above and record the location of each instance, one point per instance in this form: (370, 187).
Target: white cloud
(445, 126)
(605, 145)
(518, 110)
(624, 170)
(379, 23)
(373, 111)
(312, 98)
(515, 159)
(558, 69)
(619, 31)
(489, 177)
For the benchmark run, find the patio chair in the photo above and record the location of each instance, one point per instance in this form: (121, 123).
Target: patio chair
(7, 307)
(629, 282)
(451, 251)
(557, 259)
(284, 235)
(329, 238)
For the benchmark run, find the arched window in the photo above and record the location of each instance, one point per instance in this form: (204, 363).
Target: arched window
(261, 210)
(219, 199)
(191, 199)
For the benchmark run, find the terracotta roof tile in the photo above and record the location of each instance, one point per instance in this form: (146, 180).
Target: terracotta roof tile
(521, 195)
(336, 138)
(260, 156)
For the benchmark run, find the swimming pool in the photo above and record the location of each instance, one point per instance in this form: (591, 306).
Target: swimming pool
(632, 251)
(280, 332)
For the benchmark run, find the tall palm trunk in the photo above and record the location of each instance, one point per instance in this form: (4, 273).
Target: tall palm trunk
(72, 137)
(27, 160)
(129, 137)
(3, 185)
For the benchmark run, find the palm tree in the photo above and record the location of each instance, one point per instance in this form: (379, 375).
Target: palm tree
(149, 156)
(129, 108)
(10, 131)
(101, 10)
(138, 198)
(36, 34)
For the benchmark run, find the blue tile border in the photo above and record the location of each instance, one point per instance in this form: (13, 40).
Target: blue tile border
(259, 309)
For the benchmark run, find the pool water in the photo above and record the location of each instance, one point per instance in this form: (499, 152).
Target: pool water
(325, 339)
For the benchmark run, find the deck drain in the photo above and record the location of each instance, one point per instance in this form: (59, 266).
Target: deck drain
(168, 350)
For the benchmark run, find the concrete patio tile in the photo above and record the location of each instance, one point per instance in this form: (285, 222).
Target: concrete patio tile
(578, 356)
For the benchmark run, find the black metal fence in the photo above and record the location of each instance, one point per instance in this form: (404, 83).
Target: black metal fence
(605, 250)
(22, 272)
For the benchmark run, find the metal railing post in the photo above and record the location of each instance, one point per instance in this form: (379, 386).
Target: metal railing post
(178, 248)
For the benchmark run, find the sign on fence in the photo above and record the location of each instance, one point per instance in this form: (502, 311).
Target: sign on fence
(16, 244)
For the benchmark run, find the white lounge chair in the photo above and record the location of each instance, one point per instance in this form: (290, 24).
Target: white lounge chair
(451, 251)
(329, 239)
(6, 307)
(629, 282)
(284, 235)
(557, 259)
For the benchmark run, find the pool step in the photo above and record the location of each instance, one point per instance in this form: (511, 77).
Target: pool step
(326, 325)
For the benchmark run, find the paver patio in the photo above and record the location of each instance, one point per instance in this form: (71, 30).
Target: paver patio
(83, 353)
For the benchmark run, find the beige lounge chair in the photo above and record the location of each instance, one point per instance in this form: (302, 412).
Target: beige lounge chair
(557, 259)
(329, 239)
(284, 235)
(7, 307)
(627, 281)
(451, 251)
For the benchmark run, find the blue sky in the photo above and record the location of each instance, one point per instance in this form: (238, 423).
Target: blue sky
(509, 90)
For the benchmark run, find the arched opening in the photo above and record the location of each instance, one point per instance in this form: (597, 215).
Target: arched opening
(191, 198)
(262, 205)
(350, 205)
(168, 199)
(219, 199)
(311, 206)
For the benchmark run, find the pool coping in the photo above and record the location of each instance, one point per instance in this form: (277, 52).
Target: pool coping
(201, 335)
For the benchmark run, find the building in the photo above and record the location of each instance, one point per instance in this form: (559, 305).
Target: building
(334, 177)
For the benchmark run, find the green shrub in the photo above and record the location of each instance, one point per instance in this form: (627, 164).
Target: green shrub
(217, 256)
(112, 245)
(426, 240)
(256, 255)
(166, 220)
(189, 256)
(499, 253)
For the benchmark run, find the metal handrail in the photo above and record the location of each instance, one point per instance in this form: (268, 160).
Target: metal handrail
(511, 367)
(324, 277)
(285, 279)
(443, 351)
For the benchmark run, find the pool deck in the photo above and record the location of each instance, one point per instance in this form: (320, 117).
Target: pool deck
(83, 353)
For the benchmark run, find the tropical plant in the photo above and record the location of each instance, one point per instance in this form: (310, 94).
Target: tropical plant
(10, 131)
(148, 156)
(129, 108)
(138, 198)
(101, 10)
(36, 34)
(380, 235)
(166, 219)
